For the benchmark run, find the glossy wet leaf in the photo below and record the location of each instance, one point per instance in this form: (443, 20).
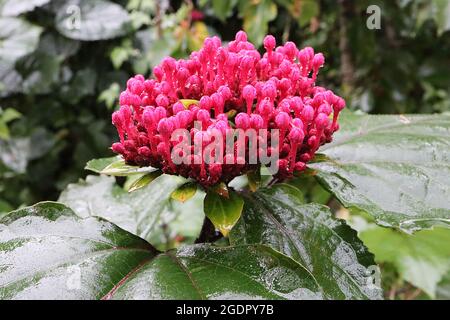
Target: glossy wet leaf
(422, 259)
(223, 212)
(143, 181)
(395, 168)
(184, 192)
(148, 212)
(98, 165)
(208, 272)
(92, 20)
(309, 234)
(47, 252)
(121, 169)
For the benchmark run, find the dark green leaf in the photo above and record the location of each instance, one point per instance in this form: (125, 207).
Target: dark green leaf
(208, 272)
(91, 20)
(309, 234)
(396, 168)
(222, 211)
(148, 212)
(49, 253)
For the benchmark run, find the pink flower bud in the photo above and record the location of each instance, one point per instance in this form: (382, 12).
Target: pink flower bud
(256, 121)
(282, 120)
(269, 42)
(242, 121)
(296, 135)
(322, 121)
(177, 107)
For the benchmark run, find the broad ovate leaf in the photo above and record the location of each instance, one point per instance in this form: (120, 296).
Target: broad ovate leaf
(92, 20)
(148, 212)
(308, 233)
(395, 168)
(208, 272)
(47, 252)
(223, 211)
(422, 259)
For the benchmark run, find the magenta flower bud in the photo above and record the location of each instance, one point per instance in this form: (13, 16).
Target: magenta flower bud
(290, 50)
(169, 64)
(269, 90)
(161, 148)
(158, 72)
(324, 108)
(249, 92)
(318, 61)
(340, 104)
(117, 119)
(297, 123)
(182, 75)
(217, 102)
(222, 117)
(117, 147)
(256, 121)
(144, 151)
(241, 36)
(165, 127)
(296, 135)
(242, 121)
(265, 108)
(283, 120)
(177, 107)
(136, 86)
(149, 85)
(160, 112)
(205, 103)
(322, 121)
(139, 77)
(129, 145)
(225, 92)
(148, 117)
(269, 43)
(162, 100)
(300, 166)
(203, 116)
(184, 118)
(308, 113)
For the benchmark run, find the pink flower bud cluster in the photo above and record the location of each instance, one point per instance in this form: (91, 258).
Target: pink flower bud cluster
(275, 90)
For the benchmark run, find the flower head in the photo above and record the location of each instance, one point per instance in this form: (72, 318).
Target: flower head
(221, 88)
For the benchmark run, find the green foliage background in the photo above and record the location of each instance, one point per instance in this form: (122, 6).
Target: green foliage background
(60, 77)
